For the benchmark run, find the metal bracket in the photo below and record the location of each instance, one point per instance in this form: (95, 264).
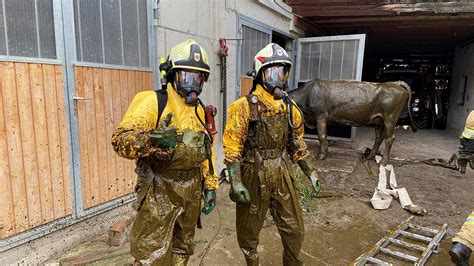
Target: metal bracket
(78, 98)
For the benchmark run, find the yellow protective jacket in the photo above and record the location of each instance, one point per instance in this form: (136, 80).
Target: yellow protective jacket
(468, 132)
(130, 139)
(236, 131)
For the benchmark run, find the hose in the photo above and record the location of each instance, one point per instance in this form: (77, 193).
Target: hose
(213, 238)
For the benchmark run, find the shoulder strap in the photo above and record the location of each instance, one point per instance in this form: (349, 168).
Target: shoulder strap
(253, 105)
(162, 96)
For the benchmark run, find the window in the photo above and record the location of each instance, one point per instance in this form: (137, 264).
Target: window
(329, 59)
(112, 32)
(253, 41)
(27, 28)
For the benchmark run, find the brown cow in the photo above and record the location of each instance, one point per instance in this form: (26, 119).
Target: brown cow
(354, 103)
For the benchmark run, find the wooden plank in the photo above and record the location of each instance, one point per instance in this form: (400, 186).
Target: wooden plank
(42, 145)
(118, 114)
(124, 98)
(64, 136)
(83, 133)
(132, 88)
(31, 172)
(149, 81)
(15, 149)
(7, 218)
(54, 139)
(91, 133)
(101, 137)
(109, 129)
(139, 81)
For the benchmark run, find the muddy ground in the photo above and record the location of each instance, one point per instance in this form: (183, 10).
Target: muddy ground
(342, 226)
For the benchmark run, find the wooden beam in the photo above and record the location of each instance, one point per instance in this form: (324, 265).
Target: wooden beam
(307, 27)
(347, 13)
(374, 9)
(333, 2)
(416, 18)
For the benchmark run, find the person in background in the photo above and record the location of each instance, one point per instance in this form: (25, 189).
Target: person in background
(466, 150)
(463, 243)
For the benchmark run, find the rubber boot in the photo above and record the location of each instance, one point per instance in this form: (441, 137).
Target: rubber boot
(177, 259)
(462, 164)
(460, 254)
(252, 262)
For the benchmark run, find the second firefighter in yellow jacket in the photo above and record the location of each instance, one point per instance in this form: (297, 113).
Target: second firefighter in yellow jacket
(263, 137)
(174, 165)
(466, 150)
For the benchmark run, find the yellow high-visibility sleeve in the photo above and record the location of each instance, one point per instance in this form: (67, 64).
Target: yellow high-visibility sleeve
(236, 130)
(130, 139)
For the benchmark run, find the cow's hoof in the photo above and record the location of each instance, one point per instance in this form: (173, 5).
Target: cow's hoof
(368, 154)
(322, 156)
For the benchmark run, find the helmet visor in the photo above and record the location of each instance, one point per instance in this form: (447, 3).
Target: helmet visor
(190, 78)
(277, 74)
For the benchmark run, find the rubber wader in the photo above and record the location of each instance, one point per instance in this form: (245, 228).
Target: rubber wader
(265, 171)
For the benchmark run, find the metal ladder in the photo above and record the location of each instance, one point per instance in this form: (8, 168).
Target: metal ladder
(432, 244)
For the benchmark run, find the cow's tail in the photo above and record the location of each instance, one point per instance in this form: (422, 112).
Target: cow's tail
(407, 87)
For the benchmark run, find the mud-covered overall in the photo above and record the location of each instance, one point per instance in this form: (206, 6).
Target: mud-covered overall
(257, 135)
(170, 184)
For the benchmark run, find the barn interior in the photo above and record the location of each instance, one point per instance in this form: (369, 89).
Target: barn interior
(405, 40)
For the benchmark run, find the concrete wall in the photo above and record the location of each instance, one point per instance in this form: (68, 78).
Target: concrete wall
(463, 66)
(206, 21)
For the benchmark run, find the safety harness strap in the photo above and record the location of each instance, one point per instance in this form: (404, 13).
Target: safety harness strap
(162, 96)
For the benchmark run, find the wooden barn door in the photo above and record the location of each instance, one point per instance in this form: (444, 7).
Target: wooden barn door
(111, 61)
(35, 165)
(102, 97)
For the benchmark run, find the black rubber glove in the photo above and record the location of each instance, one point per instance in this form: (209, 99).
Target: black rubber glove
(238, 192)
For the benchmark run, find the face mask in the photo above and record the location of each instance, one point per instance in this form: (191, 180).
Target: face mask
(189, 85)
(275, 80)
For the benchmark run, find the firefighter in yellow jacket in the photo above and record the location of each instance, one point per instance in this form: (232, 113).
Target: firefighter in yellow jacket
(463, 243)
(263, 137)
(466, 151)
(168, 138)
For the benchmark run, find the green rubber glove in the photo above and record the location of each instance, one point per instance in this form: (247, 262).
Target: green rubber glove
(164, 136)
(209, 201)
(310, 171)
(314, 178)
(238, 192)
